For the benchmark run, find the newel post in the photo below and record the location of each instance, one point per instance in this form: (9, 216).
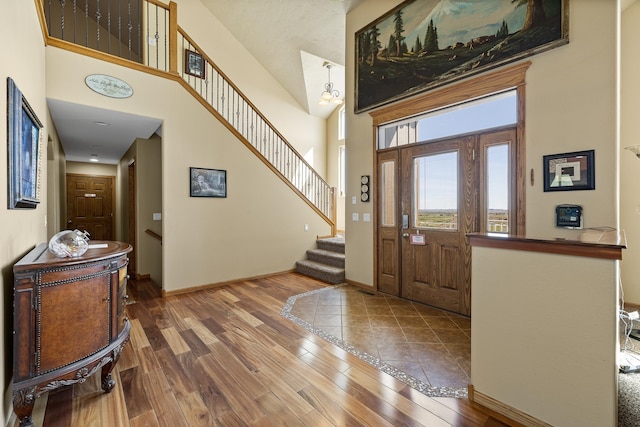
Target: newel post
(173, 38)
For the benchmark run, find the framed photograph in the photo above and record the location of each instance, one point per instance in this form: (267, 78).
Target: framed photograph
(194, 63)
(421, 44)
(207, 182)
(569, 171)
(23, 148)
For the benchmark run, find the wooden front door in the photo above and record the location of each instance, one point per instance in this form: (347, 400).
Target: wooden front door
(90, 207)
(429, 197)
(438, 209)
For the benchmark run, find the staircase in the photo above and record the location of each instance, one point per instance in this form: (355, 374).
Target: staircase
(325, 263)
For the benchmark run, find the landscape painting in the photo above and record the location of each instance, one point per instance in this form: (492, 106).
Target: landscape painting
(422, 44)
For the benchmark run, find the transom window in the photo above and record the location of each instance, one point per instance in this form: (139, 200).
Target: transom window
(489, 112)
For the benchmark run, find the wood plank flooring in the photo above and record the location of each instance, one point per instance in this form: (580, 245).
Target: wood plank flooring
(226, 357)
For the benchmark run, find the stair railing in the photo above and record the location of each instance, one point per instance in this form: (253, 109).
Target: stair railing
(147, 37)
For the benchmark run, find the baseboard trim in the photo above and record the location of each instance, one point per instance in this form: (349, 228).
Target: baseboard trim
(362, 285)
(513, 416)
(143, 276)
(219, 284)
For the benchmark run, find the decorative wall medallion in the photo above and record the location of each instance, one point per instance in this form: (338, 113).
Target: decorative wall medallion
(108, 86)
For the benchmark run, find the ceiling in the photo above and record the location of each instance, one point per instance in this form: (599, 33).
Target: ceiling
(293, 54)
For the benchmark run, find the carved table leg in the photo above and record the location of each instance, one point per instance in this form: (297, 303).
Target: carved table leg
(107, 382)
(23, 401)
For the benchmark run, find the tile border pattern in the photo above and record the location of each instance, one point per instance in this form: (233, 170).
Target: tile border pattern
(402, 376)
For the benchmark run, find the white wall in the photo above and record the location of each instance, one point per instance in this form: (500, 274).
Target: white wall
(629, 163)
(22, 59)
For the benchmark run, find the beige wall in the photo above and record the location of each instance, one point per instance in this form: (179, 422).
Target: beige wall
(333, 144)
(306, 133)
(570, 106)
(23, 60)
(149, 201)
(207, 240)
(537, 354)
(629, 163)
(56, 184)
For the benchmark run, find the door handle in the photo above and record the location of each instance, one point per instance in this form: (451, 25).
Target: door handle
(69, 221)
(405, 235)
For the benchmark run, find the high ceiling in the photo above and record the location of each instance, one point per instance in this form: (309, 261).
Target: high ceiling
(292, 39)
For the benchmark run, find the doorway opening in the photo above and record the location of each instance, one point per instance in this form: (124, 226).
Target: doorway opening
(441, 175)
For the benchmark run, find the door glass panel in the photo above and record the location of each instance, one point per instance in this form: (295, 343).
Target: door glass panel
(435, 195)
(388, 186)
(498, 188)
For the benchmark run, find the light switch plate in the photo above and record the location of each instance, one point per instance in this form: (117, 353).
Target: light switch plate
(366, 217)
(355, 217)
(157, 216)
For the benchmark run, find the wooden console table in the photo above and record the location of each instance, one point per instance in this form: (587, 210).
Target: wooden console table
(69, 320)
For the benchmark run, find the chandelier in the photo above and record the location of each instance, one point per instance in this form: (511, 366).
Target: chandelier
(329, 95)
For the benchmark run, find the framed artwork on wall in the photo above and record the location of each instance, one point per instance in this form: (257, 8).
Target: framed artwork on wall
(569, 171)
(23, 148)
(207, 182)
(421, 44)
(194, 64)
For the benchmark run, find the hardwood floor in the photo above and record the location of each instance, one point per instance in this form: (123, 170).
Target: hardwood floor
(226, 357)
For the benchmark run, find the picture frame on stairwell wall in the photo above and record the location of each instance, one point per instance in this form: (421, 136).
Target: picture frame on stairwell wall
(205, 182)
(194, 64)
(24, 134)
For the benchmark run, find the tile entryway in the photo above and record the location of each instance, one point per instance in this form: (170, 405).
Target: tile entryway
(427, 348)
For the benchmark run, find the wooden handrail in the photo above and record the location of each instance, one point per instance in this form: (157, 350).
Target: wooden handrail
(153, 234)
(306, 182)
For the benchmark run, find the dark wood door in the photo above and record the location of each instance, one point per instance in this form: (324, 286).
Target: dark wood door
(90, 207)
(438, 195)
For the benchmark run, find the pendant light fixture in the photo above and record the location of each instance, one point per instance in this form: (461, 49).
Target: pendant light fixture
(329, 95)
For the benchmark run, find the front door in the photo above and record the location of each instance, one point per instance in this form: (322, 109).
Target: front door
(438, 209)
(90, 205)
(430, 196)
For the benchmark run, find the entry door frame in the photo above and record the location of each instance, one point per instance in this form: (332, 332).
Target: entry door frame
(509, 78)
(112, 206)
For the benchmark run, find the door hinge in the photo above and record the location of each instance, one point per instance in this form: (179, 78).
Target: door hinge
(36, 360)
(36, 303)
(473, 154)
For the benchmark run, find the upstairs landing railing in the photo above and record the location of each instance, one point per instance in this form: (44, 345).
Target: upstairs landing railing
(144, 35)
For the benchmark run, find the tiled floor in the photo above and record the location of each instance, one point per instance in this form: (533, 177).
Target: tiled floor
(429, 349)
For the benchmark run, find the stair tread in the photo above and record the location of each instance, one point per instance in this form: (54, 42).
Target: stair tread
(321, 266)
(332, 254)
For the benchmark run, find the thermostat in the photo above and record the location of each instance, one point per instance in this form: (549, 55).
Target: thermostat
(569, 216)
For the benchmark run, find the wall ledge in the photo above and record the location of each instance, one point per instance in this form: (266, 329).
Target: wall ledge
(607, 244)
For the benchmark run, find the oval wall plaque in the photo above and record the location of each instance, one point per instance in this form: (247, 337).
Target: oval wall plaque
(108, 86)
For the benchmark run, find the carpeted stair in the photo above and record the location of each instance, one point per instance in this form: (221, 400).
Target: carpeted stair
(325, 263)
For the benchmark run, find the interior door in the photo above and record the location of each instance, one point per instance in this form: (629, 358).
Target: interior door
(438, 202)
(90, 205)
